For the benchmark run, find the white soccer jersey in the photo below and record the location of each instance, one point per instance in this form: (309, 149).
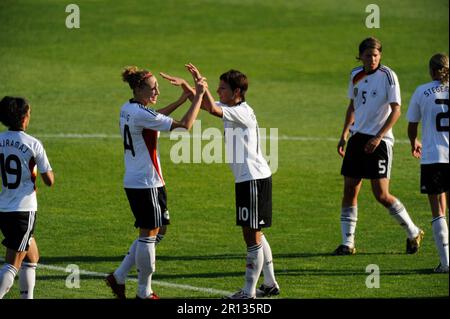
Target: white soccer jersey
(242, 143)
(20, 153)
(429, 103)
(139, 127)
(371, 94)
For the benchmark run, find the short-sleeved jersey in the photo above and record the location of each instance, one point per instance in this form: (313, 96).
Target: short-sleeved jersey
(242, 143)
(20, 155)
(372, 94)
(429, 103)
(139, 127)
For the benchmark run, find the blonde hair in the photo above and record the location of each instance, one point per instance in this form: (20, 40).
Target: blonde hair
(439, 67)
(135, 77)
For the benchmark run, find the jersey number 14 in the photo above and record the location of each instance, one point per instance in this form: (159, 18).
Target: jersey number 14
(127, 141)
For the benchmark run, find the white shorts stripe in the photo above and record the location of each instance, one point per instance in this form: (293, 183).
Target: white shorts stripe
(26, 237)
(390, 158)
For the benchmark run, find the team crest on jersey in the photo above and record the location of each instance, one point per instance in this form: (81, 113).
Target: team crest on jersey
(373, 93)
(355, 92)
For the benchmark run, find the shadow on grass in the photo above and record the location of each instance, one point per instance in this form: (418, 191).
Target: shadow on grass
(95, 259)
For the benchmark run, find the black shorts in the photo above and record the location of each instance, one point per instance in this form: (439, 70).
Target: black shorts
(254, 203)
(359, 164)
(149, 206)
(18, 229)
(434, 178)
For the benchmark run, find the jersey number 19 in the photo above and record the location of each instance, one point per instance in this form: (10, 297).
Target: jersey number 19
(7, 168)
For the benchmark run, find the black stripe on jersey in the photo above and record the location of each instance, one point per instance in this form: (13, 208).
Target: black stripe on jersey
(388, 74)
(358, 68)
(148, 110)
(143, 107)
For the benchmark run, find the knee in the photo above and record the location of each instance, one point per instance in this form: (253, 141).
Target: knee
(384, 198)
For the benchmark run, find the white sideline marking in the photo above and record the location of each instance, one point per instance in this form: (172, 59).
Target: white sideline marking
(165, 135)
(155, 282)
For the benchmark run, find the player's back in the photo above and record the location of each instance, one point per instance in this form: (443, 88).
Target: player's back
(430, 104)
(19, 153)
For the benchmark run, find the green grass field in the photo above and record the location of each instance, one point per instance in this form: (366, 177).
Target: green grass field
(297, 55)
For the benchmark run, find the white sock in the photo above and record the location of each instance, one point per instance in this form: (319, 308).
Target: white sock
(128, 262)
(27, 280)
(398, 211)
(349, 217)
(255, 260)
(7, 274)
(269, 274)
(145, 264)
(440, 233)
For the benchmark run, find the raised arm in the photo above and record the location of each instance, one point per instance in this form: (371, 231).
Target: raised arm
(349, 119)
(208, 100)
(188, 119)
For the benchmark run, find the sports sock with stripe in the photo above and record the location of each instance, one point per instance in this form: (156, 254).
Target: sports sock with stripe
(349, 217)
(399, 213)
(27, 280)
(268, 271)
(145, 264)
(255, 260)
(7, 274)
(440, 234)
(127, 264)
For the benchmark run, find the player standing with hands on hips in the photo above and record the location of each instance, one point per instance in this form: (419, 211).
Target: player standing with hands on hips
(253, 178)
(429, 103)
(373, 110)
(20, 154)
(143, 180)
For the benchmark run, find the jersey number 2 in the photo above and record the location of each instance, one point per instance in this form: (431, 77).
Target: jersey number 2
(441, 116)
(127, 141)
(7, 168)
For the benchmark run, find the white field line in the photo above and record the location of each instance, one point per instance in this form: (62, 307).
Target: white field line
(210, 291)
(117, 136)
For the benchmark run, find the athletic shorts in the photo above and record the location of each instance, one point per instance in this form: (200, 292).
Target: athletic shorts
(18, 229)
(149, 207)
(359, 164)
(254, 203)
(434, 178)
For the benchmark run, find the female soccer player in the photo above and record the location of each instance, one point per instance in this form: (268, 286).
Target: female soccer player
(374, 108)
(252, 176)
(143, 180)
(430, 104)
(20, 154)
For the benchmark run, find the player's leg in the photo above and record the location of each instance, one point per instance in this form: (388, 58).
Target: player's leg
(439, 225)
(27, 271)
(17, 227)
(349, 215)
(247, 217)
(270, 285)
(380, 189)
(145, 262)
(8, 272)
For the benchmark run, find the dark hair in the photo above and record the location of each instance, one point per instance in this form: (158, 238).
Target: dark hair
(12, 111)
(135, 77)
(369, 43)
(439, 65)
(236, 80)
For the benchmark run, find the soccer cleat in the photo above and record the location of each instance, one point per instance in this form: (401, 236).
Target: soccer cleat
(343, 250)
(240, 295)
(264, 291)
(412, 245)
(441, 269)
(152, 296)
(117, 289)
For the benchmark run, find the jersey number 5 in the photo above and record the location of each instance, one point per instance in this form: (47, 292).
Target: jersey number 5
(127, 141)
(7, 168)
(441, 116)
